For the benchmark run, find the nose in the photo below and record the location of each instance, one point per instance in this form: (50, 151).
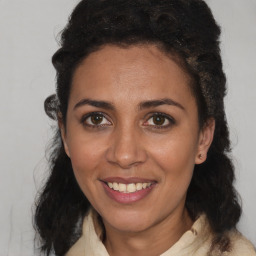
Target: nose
(126, 148)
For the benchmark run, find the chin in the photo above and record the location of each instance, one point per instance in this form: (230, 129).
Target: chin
(128, 221)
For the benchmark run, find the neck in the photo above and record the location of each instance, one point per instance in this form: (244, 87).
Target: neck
(153, 241)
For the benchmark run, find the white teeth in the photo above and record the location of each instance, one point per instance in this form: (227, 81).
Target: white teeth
(128, 188)
(139, 186)
(122, 187)
(110, 185)
(131, 188)
(115, 186)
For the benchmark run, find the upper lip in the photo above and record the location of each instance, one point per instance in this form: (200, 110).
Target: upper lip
(127, 180)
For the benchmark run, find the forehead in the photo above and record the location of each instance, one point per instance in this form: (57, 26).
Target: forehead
(138, 72)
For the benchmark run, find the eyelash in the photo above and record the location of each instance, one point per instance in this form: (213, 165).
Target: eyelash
(170, 120)
(89, 115)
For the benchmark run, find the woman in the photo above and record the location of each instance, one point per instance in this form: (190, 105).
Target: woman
(140, 161)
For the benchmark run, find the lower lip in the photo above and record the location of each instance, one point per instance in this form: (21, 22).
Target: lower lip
(127, 198)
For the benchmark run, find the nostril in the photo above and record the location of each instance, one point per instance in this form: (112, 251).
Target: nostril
(125, 159)
(125, 149)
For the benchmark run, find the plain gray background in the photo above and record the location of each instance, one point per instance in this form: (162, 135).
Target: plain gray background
(28, 29)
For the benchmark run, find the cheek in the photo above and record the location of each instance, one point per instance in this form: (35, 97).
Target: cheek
(175, 151)
(177, 165)
(86, 156)
(82, 156)
(176, 158)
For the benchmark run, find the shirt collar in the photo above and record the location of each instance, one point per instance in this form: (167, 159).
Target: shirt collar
(90, 242)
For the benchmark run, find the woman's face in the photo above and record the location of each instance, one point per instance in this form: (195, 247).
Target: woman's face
(132, 135)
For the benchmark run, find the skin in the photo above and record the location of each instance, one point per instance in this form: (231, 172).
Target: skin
(128, 143)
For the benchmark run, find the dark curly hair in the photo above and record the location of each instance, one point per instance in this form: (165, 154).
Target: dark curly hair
(184, 28)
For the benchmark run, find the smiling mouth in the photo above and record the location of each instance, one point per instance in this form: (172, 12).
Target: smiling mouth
(128, 188)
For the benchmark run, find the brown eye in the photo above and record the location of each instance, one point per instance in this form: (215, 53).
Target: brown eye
(95, 119)
(159, 120)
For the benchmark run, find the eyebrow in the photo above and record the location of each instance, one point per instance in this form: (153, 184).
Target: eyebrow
(156, 103)
(95, 103)
(142, 105)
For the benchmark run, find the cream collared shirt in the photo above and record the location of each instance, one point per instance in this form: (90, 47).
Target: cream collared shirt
(194, 242)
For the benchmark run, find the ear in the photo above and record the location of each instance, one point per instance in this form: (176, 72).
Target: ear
(205, 140)
(63, 133)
